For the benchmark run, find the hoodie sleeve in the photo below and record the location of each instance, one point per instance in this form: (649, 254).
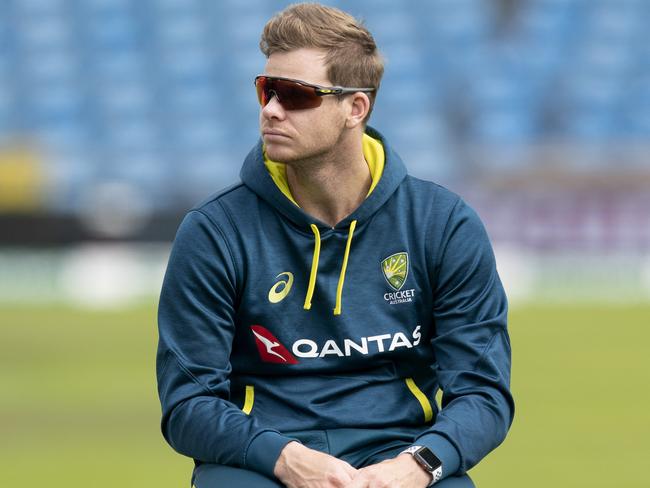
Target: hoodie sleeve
(196, 321)
(471, 346)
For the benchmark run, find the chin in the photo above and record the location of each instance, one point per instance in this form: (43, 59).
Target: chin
(279, 153)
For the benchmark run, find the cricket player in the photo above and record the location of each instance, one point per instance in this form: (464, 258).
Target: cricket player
(311, 312)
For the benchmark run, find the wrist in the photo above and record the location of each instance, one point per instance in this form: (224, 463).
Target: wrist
(422, 476)
(427, 462)
(281, 465)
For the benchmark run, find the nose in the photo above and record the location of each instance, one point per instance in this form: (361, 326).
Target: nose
(273, 109)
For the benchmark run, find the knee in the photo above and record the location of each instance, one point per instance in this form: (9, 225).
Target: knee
(218, 476)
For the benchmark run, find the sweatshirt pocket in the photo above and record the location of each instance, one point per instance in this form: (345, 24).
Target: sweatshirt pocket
(421, 398)
(249, 399)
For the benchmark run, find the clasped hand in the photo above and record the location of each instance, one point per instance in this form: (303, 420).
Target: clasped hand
(301, 467)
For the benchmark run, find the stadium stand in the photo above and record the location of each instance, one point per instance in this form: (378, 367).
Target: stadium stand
(155, 97)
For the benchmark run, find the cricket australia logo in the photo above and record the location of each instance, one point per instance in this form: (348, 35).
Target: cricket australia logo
(396, 270)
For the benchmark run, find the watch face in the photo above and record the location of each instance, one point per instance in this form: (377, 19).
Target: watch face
(428, 459)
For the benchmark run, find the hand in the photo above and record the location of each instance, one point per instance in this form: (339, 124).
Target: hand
(400, 472)
(301, 467)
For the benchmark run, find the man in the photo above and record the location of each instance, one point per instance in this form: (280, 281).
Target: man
(310, 313)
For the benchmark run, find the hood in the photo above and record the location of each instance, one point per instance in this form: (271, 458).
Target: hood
(255, 176)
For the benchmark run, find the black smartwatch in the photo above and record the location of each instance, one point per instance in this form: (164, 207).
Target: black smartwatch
(428, 460)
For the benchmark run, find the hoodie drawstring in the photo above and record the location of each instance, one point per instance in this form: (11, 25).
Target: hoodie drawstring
(314, 269)
(339, 288)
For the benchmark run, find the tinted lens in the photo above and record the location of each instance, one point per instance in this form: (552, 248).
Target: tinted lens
(291, 95)
(262, 90)
(294, 96)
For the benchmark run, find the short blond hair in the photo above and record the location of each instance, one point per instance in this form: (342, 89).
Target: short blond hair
(352, 57)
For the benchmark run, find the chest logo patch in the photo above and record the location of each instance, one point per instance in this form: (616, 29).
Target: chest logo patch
(396, 269)
(270, 349)
(282, 288)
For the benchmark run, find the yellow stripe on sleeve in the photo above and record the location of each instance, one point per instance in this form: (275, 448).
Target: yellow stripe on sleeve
(422, 398)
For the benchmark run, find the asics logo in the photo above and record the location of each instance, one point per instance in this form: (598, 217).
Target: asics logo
(281, 289)
(270, 349)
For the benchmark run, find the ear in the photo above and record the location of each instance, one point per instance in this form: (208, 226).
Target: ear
(359, 108)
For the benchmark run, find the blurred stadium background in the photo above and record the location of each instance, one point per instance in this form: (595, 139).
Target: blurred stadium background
(116, 116)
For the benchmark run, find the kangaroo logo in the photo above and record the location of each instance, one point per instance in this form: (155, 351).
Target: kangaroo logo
(270, 349)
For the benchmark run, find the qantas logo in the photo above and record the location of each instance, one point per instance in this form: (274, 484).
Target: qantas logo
(306, 348)
(270, 349)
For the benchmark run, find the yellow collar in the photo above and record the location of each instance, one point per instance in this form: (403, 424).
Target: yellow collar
(373, 152)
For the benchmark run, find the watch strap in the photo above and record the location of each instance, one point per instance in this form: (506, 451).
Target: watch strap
(435, 472)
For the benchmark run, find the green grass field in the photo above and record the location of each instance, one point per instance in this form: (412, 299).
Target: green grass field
(79, 406)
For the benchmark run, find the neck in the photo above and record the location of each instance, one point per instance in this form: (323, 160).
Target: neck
(331, 186)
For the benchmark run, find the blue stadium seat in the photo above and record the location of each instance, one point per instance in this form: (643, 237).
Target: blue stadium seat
(160, 90)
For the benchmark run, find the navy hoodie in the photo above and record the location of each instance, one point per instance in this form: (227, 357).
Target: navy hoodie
(271, 322)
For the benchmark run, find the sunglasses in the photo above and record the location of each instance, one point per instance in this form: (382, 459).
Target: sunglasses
(296, 94)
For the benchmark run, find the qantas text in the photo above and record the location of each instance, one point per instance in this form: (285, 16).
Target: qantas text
(306, 348)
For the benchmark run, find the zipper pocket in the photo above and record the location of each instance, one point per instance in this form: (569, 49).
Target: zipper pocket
(249, 399)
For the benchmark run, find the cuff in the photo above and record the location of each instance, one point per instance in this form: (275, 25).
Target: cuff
(264, 451)
(443, 449)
